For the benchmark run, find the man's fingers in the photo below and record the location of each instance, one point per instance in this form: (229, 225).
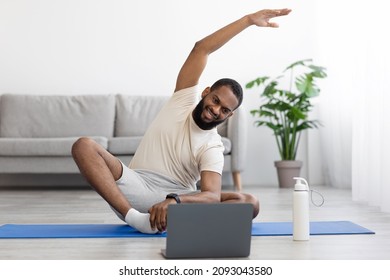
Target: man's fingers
(276, 13)
(162, 223)
(273, 24)
(262, 17)
(281, 12)
(158, 218)
(152, 219)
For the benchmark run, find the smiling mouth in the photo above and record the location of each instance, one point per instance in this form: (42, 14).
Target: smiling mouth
(211, 114)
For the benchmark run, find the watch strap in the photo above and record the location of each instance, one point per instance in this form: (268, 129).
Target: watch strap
(174, 196)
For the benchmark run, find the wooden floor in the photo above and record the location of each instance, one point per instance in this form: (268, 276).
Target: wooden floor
(82, 205)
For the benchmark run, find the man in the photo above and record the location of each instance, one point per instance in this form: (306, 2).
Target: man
(180, 147)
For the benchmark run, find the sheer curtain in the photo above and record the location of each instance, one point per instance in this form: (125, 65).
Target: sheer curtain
(355, 101)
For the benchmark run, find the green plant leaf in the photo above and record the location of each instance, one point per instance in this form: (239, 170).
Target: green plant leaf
(299, 62)
(250, 84)
(274, 127)
(257, 82)
(270, 89)
(308, 125)
(298, 114)
(286, 111)
(260, 123)
(303, 82)
(254, 112)
(265, 113)
(318, 71)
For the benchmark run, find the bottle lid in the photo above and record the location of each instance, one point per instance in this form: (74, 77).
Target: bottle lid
(299, 186)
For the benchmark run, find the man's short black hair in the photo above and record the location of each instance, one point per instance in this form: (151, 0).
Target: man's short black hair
(234, 86)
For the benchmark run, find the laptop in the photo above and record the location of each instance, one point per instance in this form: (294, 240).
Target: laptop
(221, 230)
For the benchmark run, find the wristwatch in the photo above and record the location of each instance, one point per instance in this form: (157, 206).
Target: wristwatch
(174, 196)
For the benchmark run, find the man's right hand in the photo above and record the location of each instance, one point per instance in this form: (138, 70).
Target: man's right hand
(158, 215)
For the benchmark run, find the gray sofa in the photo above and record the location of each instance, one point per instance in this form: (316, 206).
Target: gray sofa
(37, 132)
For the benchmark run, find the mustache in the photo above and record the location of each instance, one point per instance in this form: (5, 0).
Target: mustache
(212, 113)
(197, 116)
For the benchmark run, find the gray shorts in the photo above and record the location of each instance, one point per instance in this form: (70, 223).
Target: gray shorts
(144, 188)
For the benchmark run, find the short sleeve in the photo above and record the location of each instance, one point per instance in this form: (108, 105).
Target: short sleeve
(212, 159)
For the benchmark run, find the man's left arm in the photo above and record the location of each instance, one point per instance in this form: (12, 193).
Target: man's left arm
(195, 63)
(211, 184)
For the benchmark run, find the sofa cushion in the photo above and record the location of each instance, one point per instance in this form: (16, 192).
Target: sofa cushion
(223, 128)
(124, 145)
(32, 116)
(135, 113)
(41, 146)
(227, 144)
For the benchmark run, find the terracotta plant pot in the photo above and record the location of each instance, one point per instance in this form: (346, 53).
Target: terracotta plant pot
(287, 170)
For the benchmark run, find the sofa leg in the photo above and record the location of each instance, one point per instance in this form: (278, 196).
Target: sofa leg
(237, 180)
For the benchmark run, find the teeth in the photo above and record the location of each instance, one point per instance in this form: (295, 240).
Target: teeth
(211, 114)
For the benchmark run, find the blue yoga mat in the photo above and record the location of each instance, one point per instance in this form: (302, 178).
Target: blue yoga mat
(316, 228)
(124, 231)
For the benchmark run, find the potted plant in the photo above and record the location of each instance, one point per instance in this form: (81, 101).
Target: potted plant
(285, 111)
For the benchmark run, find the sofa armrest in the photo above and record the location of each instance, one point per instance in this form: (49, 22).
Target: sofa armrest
(237, 133)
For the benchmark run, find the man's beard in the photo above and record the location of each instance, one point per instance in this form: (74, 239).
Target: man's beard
(197, 115)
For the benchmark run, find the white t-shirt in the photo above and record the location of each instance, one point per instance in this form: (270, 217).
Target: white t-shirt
(175, 146)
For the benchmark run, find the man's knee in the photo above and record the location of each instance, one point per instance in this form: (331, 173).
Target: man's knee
(82, 145)
(256, 205)
(249, 198)
(244, 198)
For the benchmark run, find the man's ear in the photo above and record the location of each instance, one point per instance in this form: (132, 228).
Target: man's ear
(205, 91)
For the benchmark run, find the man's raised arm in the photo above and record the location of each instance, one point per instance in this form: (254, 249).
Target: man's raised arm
(196, 61)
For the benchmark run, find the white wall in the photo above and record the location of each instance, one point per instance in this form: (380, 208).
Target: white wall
(137, 47)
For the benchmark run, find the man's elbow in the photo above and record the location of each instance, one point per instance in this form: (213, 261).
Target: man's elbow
(200, 47)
